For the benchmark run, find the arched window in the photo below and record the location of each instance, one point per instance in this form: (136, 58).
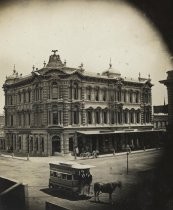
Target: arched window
(112, 117)
(97, 116)
(54, 90)
(138, 117)
(105, 113)
(119, 116)
(131, 116)
(76, 91)
(89, 114)
(125, 117)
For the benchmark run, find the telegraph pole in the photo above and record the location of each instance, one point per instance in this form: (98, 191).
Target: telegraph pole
(127, 162)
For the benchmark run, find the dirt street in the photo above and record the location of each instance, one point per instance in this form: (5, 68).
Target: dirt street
(35, 173)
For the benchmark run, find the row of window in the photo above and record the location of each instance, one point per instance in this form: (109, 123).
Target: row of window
(97, 116)
(32, 145)
(63, 176)
(75, 92)
(23, 119)
(160, 124)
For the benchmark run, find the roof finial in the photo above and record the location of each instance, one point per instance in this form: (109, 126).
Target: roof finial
(65, 62)
(148, 76)
(14, 69)
(81, 66)
(110, 64)
(54, 51)
(44, 63)
(139, 74)
(33, 68)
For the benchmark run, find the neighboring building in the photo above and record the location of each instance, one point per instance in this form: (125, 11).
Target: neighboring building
(160, 116)
(169, 84)
(2, 137)
(57, 108)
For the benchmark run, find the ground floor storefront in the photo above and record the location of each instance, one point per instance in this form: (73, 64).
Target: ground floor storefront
(57, 141)
(119, 141)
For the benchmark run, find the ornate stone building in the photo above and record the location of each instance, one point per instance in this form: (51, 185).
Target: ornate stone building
(160, 116)
(56, 108)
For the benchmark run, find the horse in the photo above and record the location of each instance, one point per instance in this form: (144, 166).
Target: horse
(105, 188)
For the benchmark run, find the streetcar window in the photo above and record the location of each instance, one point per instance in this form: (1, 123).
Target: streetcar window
(76, 177)
(59, 175)
(64, 176)
(54, 174)
(69, 177)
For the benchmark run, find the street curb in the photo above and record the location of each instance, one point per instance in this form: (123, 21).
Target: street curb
(121, 153)
(71, 158)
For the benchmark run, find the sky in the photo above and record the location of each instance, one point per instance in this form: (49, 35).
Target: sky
(90, 32)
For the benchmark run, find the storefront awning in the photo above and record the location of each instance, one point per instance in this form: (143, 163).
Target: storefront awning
(116, 132)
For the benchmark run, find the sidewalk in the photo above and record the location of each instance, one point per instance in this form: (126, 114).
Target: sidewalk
(72, 158)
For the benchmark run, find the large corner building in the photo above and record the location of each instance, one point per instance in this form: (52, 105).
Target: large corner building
(57, 108)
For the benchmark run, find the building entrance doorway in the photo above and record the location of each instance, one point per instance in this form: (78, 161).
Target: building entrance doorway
(56, 144)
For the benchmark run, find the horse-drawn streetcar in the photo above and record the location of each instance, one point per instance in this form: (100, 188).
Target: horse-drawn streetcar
(69, 176)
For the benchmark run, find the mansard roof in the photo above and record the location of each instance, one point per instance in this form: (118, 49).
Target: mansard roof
(55, 67)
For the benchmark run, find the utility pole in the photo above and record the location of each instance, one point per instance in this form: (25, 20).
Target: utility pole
(127, 162)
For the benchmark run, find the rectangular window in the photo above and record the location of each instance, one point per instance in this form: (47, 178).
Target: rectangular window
(11, 120)
(64, 176)
(76, 117)
(42, 144)
(20, 143)
(24, 97)
(29, 119)
(69, 177)
(55, 118)
(29, 96)
(88, 93)
(54, 174)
